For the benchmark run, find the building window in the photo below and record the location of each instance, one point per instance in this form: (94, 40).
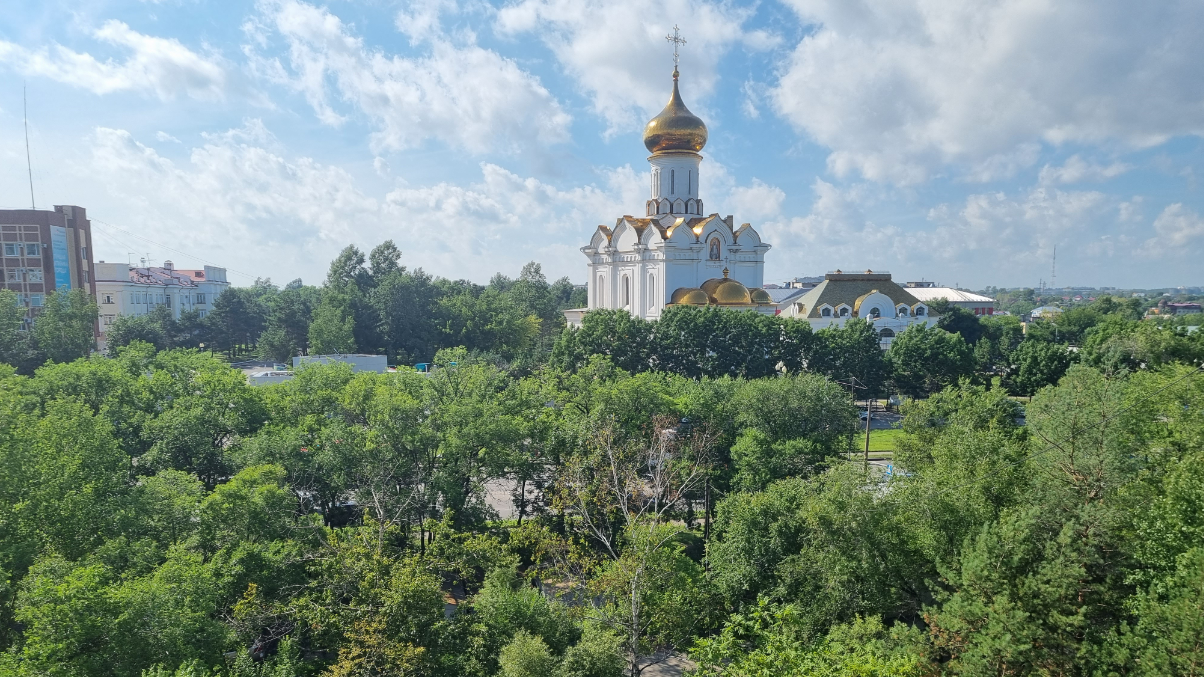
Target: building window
(33, 274)
(875, 313)
(12, 275)
(84, 274)
(919, 311)
(200, 298)
(83, 251)
(108, 319)
(626, 291)
(651, 292)
(902, 311)
(36, 300)
(12, 249)
(887, 333)
(690, 181)
(844, 312)
(826, 312)
(33, 249)
(108, 298)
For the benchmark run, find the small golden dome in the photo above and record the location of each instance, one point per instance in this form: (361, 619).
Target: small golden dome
(689, 296)
(760, 297)
(732, 293)
(725, 291)
(675, 128)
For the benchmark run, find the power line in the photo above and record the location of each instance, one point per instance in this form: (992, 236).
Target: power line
(28, 161)
(173, 249)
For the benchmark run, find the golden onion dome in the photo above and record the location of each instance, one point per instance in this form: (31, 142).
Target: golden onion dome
(760, 297)
(675, 128)
(689, 296)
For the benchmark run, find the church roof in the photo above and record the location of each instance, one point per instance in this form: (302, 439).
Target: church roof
(849, 288)
(666, 226)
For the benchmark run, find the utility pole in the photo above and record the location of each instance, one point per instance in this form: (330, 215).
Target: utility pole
(852, 383)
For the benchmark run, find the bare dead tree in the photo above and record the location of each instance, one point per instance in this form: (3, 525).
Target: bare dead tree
(638, 484)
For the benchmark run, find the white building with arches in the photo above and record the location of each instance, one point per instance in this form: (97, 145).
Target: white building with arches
(675, 253)
(871, 296)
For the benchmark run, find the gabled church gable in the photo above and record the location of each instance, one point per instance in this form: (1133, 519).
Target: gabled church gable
(747, 236)
(601, 238)
(626, 236)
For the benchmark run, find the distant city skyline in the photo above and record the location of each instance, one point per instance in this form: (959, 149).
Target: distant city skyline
(961, 144)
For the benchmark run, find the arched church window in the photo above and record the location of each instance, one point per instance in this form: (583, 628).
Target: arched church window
(875, 313)
(714, 253)
(887, 333)
(826, 312)
(689, 181)
(626, 291)
(651, 292)
(673, 182)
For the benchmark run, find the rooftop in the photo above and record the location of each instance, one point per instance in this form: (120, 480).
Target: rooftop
(929, 294)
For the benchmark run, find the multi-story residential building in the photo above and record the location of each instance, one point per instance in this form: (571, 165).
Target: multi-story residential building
(122, 289)
(43, 250)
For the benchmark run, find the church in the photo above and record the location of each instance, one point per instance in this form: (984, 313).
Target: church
(675, 254)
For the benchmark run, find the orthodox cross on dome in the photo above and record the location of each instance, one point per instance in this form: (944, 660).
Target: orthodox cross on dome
(677, 40)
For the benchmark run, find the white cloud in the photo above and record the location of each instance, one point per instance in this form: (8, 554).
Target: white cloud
(989, 238)
(1076, 170)
(256, 210)
(466, 96)
(899, 88)
(160, 65)
(164, 136)
(1180, 233)
(616, 49)
(758, 200)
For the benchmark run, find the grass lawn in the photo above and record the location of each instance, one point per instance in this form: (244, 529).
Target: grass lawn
(880, 440)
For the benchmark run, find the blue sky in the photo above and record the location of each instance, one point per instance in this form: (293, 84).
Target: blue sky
(952, 141)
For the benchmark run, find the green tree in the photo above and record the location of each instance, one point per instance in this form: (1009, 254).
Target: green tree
(526, 656)
(65, 330)
(923, 360)
(16, 347)
(156, 328)
(850, 351)
(236, 321)
(598, 654)
(1036, 364)
(333, 328)
(957, 320)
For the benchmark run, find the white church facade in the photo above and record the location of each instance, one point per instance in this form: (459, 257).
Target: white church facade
(675, 253)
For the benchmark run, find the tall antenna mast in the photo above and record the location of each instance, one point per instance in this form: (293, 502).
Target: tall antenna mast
(1053, 269)
(28, 162)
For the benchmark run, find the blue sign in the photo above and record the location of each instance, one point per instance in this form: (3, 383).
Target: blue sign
(62, 265)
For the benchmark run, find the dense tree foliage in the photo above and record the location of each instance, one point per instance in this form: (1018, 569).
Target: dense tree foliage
(579, 502)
